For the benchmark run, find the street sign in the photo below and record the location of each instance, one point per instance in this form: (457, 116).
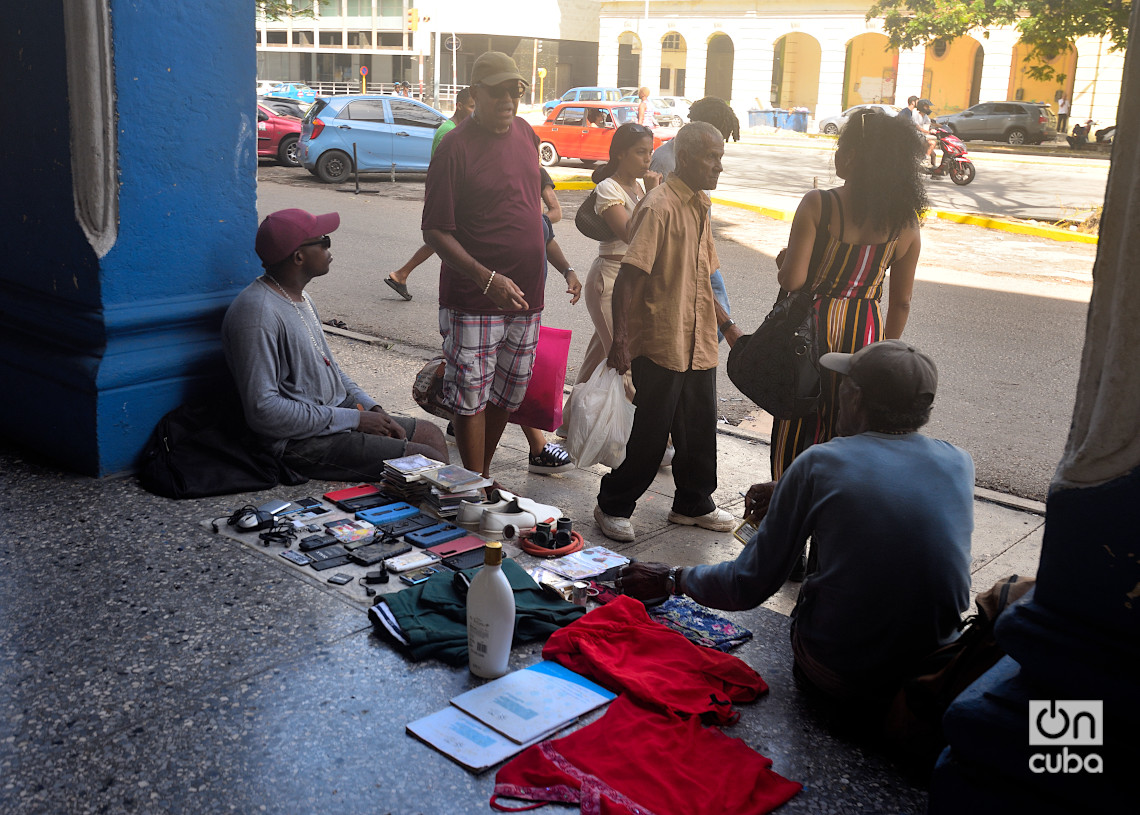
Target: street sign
(542, 73)
(364, 70)
(452, 43)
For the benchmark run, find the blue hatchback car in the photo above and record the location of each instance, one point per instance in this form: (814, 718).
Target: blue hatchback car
(390, 133)
(294, 90)
(586, 94)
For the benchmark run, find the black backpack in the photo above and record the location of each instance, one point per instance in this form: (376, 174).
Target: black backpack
(205, 448)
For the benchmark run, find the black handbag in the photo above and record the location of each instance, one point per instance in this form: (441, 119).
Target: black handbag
(590, 223)
(777, 366)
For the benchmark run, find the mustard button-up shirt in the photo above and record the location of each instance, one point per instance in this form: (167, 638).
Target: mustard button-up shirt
(672, 320)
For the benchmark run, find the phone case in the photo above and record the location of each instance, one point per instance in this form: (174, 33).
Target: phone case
(432, 535)
(375, 552)
(410, 561)
(466, 560)
(375, 499)
(387, 513)
(406, 525)
(458, 546)
(315, 542)
(351, 492)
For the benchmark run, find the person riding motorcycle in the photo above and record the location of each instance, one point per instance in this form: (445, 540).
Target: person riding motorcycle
(925, 126)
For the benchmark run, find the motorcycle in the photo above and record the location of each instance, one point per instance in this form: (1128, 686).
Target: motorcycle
(954, 158)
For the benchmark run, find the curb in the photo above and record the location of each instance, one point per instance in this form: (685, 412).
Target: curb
(985, 221)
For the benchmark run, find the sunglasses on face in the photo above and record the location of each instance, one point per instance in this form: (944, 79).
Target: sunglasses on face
(324, 241)
(515, 91)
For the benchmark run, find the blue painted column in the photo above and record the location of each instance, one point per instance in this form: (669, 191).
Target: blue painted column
(128, 216)
(1052, 728)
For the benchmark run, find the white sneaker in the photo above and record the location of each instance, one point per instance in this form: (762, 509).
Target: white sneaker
(667, 459)
(617, 529)
(719, 520)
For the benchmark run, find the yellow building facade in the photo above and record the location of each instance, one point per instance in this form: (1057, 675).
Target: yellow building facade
(825, 56)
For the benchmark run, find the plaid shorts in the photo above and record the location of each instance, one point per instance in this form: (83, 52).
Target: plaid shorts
(489, 359)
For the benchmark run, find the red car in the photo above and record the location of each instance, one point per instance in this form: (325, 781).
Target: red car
(584, 130)
(277, 136)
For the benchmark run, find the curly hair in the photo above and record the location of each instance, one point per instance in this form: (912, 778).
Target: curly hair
(624, 138)
(882, 155)
(717, 113)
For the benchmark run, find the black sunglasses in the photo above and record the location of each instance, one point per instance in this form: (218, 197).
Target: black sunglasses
(640, 129)
(515, 91)
(324, 241)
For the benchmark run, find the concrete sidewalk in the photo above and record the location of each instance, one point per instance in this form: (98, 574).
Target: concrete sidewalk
(148, 665)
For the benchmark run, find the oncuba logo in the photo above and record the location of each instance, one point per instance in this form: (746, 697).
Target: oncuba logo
(1066, 723)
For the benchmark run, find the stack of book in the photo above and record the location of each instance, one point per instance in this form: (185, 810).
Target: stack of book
(403, 477)
(450, 485)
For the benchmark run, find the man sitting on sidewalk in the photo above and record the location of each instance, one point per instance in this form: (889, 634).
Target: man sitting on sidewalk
(890, 514)
(295, 396)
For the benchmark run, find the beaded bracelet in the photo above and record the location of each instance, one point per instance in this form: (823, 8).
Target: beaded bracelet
(487, 288)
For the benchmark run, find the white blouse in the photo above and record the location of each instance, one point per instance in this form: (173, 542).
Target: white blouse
(611, 193)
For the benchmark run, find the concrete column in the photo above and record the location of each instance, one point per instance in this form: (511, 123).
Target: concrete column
(126, 244)
(696, 64)
(996, 65)
(1097, 87)
(1075, 637)
(651, 56)
(909, 80)
(752, 68)
(607, 54)
(833, 59)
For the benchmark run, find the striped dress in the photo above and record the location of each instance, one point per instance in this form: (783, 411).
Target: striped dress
(848, 287)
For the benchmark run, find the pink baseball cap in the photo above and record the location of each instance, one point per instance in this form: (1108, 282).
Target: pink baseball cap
(283, 231)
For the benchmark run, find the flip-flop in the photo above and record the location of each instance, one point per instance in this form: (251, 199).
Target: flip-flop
(400, 288)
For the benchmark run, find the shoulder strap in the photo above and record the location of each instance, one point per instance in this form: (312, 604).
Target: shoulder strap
(839, 206)
(822, 235)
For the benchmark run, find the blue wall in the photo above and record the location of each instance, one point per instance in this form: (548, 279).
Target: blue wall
(96, 350)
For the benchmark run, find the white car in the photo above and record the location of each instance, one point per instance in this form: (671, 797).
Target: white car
(264, 86)
(833, 124)
(671, 110)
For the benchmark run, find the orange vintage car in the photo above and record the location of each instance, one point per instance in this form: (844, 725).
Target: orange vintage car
(584, 130)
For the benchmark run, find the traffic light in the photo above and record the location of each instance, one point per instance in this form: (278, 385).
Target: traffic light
(413, 19)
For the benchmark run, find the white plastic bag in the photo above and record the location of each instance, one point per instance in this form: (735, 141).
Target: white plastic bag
(600, 420)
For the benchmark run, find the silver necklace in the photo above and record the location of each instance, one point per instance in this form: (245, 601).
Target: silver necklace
(304, 322)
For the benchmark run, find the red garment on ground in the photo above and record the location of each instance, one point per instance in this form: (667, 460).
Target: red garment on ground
(619, 646)
(635, 761)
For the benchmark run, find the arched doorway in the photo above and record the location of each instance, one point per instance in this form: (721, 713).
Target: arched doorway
(795, 71)
(718, 67)
(1023, 87)
(674, 54)
(629, 60)
(869, 71)
(952, 74)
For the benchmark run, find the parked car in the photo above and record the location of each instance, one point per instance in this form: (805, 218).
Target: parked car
(283, 107)
(277, 136)
(294, 90)
(266, 85)
(567, 133)
(672, 111)
(388, 131)
(833, 124)
(585, 94)
(1011, 122)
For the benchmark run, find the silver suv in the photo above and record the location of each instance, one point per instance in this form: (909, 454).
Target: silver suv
(1011, 122)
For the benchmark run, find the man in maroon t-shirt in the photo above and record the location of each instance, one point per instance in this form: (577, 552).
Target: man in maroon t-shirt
(482, 216)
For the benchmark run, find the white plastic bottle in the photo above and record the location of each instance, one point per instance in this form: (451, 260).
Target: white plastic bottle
(490, 616)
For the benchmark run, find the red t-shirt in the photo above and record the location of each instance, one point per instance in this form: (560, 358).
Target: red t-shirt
(483, 187)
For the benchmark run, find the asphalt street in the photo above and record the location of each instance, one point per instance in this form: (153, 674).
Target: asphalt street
(1003, 315)
(1043, 188)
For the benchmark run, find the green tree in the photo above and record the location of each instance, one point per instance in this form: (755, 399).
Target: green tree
(280, 9)
(1048, 27)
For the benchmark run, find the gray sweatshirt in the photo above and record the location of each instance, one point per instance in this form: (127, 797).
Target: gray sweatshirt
(291, 386)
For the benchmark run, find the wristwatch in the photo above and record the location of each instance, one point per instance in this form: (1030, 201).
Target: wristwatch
(671, 585)
(727, 324)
